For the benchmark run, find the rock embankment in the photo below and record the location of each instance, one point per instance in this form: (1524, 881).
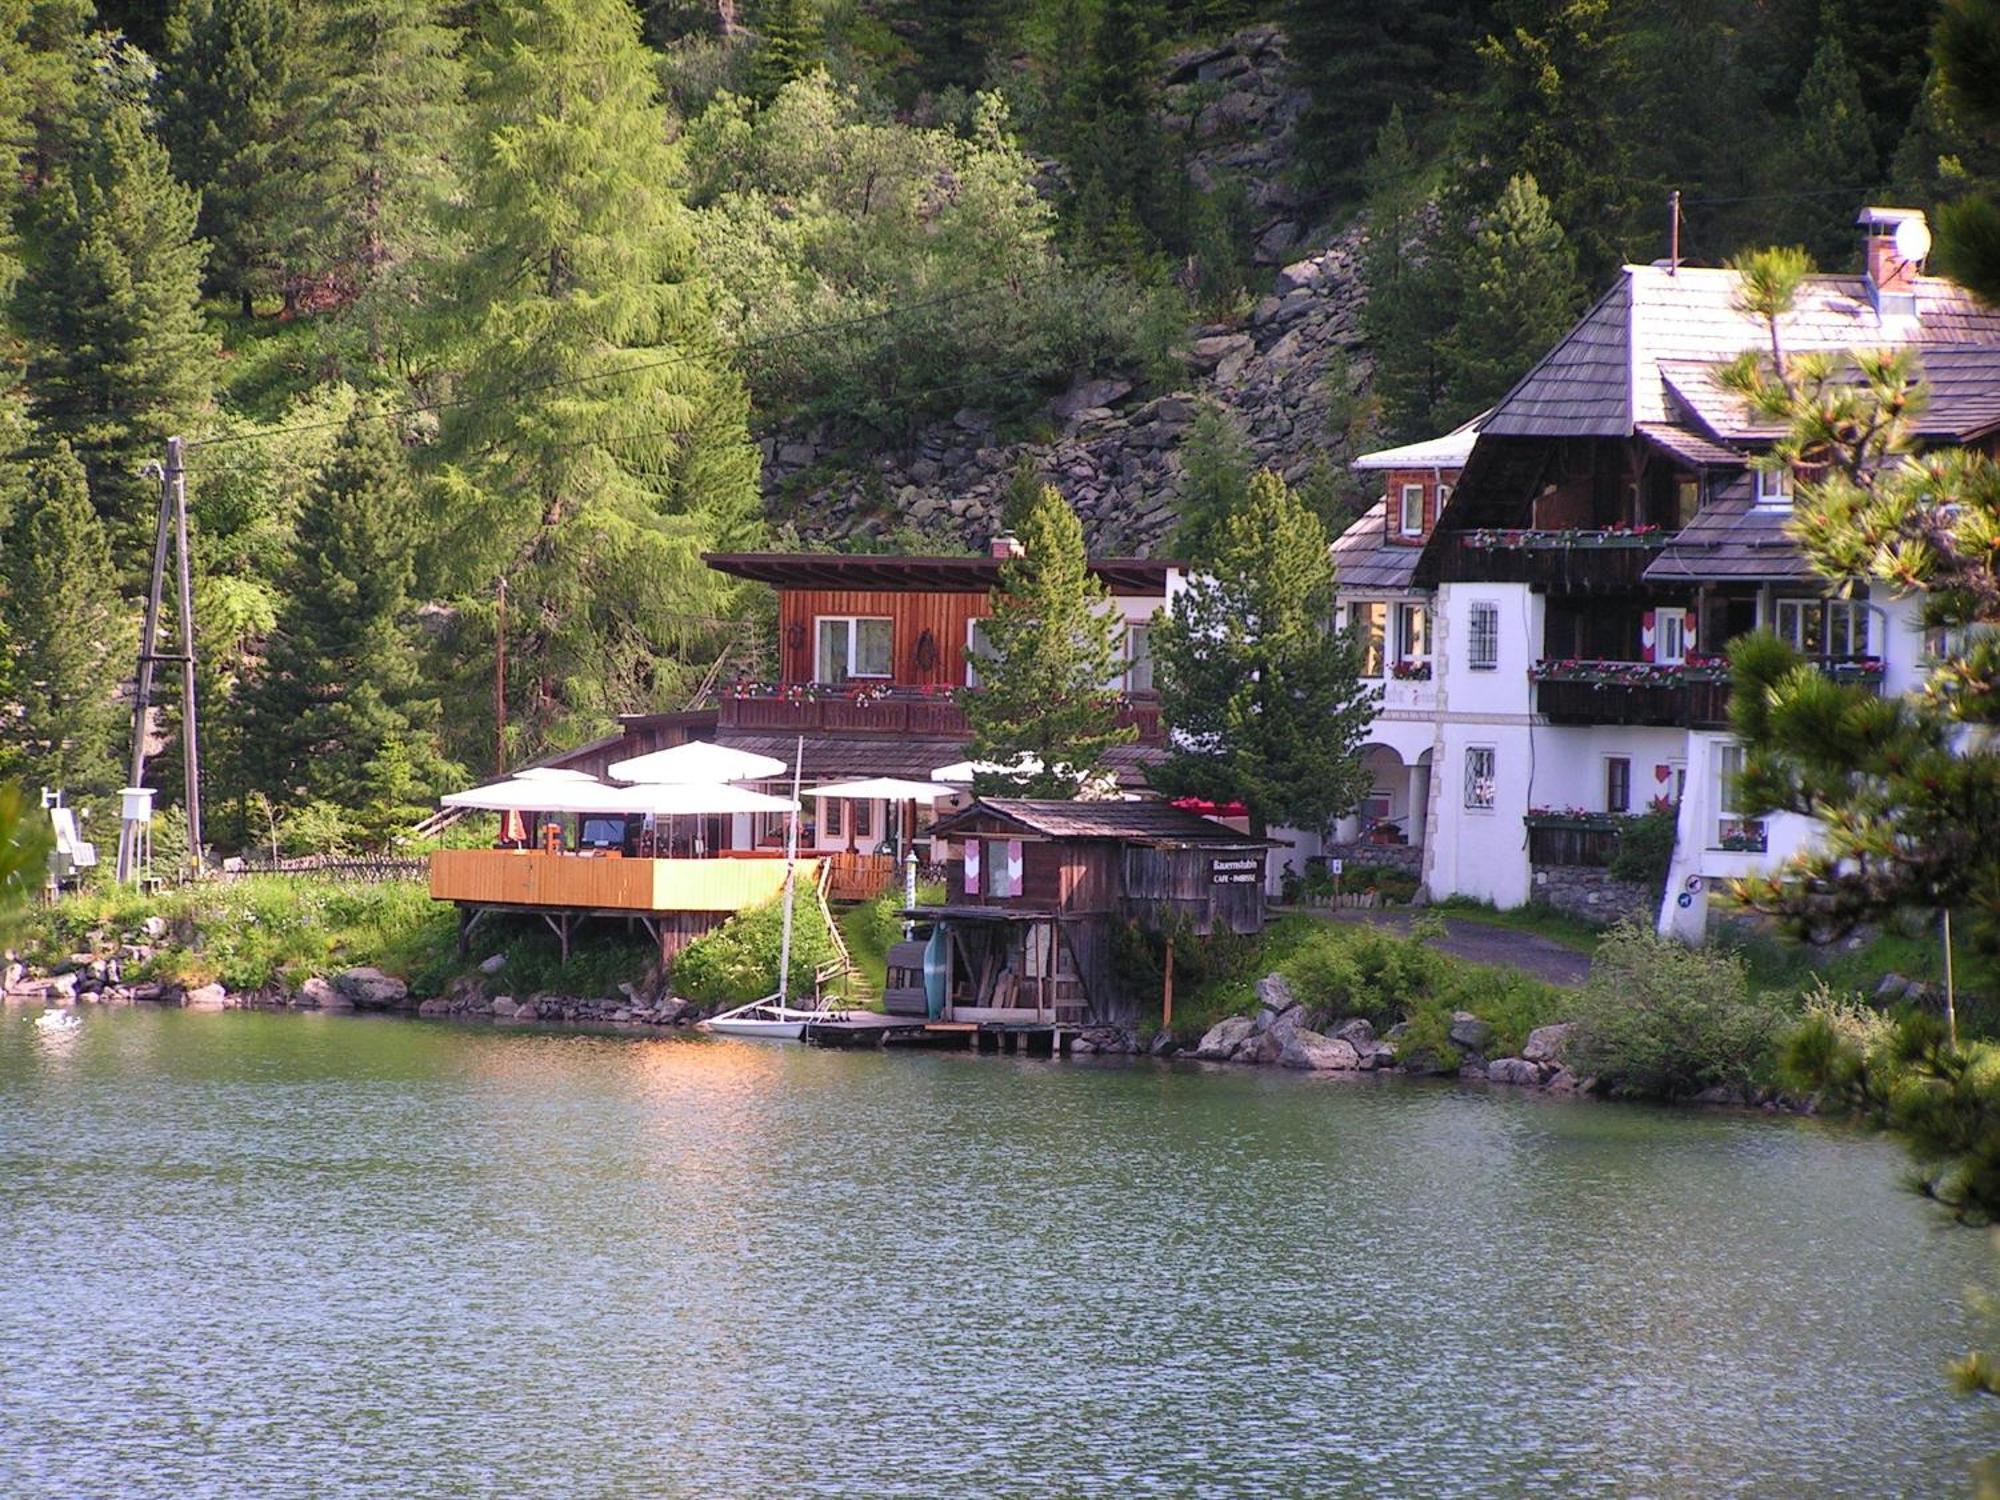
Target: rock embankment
(1113, 443)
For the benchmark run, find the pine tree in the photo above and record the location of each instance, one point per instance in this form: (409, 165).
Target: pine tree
(1265, 708)
(235, 73)
(1409, 263)
(600, 442)
(376, 145)
(1046, 701)
(789, 45)
(69, 637)
(954, 39)
(1361, 61)
(1216, 469)
(1555, 78)
(1518, 294)
(1968, 53)
(335, 716)
(1830, 158)
(118, 359)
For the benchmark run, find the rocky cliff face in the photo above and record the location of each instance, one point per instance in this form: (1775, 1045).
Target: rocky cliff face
(1115, 454)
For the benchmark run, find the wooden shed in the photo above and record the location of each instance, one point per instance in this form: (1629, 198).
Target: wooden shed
(1036, 888)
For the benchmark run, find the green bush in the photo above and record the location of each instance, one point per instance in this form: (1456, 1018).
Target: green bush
(1646, 847)
(738, 962)
(1660, 1020)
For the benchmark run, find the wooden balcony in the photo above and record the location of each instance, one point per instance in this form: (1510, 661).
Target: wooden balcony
(888, 713)
(527, 878)
(1557, 562)
(1670, 695)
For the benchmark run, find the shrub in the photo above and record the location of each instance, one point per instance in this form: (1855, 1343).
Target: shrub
(1646, 847)
(1660, 1020)
(738, 962)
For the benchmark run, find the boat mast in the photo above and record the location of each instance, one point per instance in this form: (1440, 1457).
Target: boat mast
(791, 872)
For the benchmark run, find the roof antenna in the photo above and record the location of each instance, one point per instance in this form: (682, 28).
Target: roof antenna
(1673, 231)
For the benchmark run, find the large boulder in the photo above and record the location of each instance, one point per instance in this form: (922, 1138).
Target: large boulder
(206, 997)
(1265, 1047)
(1356, 1032)
(1220, 1041)
(370, 989)
(1274, 1000)
(319, 994)
(1515, 1070)
(1469, 1032)
(493, 963)
(1308, 1049)
(1546, 1043)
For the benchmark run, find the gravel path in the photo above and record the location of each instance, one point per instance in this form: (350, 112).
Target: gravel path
(1480, 942)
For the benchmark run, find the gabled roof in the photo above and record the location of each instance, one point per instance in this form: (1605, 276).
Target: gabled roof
(1159, 824)
(1365, 558)
(1607, 374)
(1732, 537)
(898, 573)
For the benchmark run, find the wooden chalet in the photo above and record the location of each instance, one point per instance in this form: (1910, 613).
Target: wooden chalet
(1036, 888)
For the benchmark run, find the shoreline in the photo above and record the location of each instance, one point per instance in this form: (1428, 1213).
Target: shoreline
(369, 992)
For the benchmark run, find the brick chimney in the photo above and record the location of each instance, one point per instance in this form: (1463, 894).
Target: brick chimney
(1005, 544)
(1895, 240)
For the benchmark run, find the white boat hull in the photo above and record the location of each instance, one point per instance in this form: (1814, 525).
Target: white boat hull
(777, 1031)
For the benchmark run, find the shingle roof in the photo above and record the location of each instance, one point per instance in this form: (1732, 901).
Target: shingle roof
(1732, 537)
(1365, 558)
(1964, 382)
(1689, 446)
(1606, 373)
(1159, 823)
(845, 757)
(1447, 452)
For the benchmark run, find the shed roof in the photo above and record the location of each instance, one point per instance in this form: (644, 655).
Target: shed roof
(897, 573)
(1365, 558)
(1689, 446)
(1732, 537)
(1160, 824)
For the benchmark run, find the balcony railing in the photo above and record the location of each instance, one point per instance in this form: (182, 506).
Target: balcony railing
(1692, 695)
(884, 710)
(1563, 562)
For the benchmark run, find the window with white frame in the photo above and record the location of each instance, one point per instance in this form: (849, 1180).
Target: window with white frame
(1481, 765)
(1483, 651)
(854, 646)
(1410, 510)
(978, 648)
(1138, 658)
(1413, 632)
(1822, 627)
(1369, 620)
(1669, 636)
(1774, 486)
(1731, 826)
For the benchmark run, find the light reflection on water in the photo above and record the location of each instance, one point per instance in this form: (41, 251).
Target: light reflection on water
(331, 1256)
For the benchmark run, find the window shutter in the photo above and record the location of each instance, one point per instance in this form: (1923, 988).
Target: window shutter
(1013, 867)
(1646, 635)
(972, 867)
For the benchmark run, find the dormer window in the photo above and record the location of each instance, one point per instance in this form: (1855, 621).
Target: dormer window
(1774, 486)
(1410, 510)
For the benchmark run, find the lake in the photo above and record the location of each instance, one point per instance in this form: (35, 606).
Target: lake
(259, 1254)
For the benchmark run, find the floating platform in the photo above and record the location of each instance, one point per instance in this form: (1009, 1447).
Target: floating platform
(865, 1028)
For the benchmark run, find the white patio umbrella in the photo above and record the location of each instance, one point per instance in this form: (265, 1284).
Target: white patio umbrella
(962, 771)
(518, 794)
(552, 773)
(682, 800)
(886, 789)
(698, 762)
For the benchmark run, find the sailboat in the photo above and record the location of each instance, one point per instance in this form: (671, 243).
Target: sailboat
(771, 1017)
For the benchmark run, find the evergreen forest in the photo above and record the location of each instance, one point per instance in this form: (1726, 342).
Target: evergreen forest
(481, 318)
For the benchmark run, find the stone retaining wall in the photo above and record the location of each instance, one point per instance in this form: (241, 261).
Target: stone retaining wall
(1593, 894)
(1409, 858)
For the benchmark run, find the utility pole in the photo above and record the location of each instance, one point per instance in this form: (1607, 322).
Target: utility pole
(170, 527)
(500, 680)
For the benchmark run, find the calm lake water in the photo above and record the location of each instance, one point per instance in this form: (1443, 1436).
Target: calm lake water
(325, 1256)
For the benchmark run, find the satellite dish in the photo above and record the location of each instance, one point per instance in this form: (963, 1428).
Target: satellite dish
(1913, 240)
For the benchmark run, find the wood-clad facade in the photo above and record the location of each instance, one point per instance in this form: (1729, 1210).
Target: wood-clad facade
(928, 631)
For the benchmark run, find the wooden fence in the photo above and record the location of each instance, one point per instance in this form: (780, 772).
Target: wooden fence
(363, 869)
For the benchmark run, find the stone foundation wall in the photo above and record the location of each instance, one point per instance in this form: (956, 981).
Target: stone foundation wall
(1409, 858)
(1593, 895)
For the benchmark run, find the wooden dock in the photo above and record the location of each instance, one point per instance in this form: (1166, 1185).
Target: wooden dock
(862, 1028)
